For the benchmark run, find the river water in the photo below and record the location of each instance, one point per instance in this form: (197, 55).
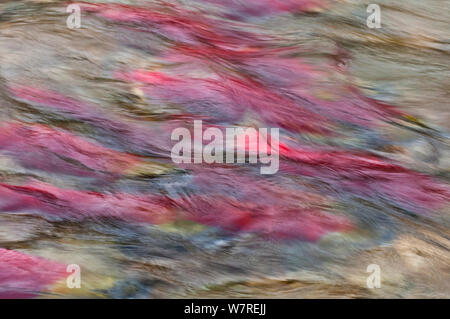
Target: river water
(86, 176)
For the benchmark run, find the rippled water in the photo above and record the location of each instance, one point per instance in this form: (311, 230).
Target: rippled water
(86, 175)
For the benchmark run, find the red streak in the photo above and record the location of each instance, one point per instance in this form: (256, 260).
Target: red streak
(24, 276)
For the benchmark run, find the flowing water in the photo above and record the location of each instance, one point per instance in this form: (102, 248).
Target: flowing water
(86, 176)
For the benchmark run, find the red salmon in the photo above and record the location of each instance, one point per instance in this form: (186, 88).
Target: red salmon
(24, 276)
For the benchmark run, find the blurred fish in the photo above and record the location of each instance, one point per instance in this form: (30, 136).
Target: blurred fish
(72, 107)
(55, 150)
(202, 97)
(369, 175)
(275, 66)
(134, 136)
(232, 95)
(345, 103)
(130, 135)
(25, 276)
(280, 218)
(279, 221)
(282, 213)
(241, 9)
(287, 75)
(172, 22)
(275, 109)
(78, 205)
